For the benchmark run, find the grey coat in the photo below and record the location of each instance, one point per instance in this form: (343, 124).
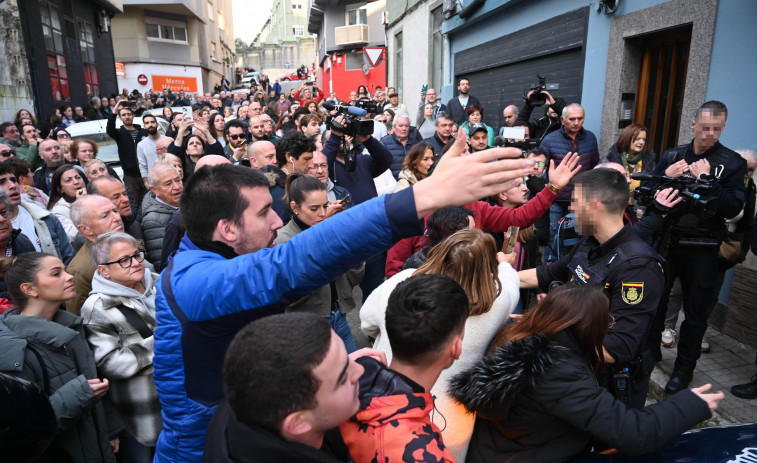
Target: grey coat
(155, 216)
(320, 301)
(55, 355)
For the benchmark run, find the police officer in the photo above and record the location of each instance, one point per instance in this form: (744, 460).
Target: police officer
(694, 241)
(612, 255)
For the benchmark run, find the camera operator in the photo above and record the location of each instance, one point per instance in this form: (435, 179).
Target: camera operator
(539, 128)
(692, 251)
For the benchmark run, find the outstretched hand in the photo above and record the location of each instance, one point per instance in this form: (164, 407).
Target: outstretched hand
(712, 398)
(560, 176)
(460, 179)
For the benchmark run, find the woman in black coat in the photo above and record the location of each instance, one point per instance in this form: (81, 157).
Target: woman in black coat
(537, 398)
(631, 150)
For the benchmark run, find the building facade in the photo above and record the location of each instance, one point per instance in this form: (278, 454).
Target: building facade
(351, 47)
(67, 54)
(186, 44)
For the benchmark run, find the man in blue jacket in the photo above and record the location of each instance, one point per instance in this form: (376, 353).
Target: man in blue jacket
(227, 272)
(570, 138)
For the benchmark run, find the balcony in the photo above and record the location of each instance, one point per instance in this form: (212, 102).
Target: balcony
(351, 35)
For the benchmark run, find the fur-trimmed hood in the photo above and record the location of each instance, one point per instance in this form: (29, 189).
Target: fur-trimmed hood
(490, 387)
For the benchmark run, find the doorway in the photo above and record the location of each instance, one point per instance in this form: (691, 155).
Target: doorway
(662, 81)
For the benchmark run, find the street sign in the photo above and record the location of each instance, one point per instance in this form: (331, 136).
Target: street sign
(373, 54)
(142, 79)
(286, 65)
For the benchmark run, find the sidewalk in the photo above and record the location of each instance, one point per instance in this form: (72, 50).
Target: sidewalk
(728, 363)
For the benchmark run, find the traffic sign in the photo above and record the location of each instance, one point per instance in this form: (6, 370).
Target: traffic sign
(142, 79)
(373, 54)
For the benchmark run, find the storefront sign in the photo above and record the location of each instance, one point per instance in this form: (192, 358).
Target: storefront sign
(175, 83)
(120, 71)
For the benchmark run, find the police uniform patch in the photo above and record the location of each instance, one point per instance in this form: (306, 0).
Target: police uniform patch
(632, 293)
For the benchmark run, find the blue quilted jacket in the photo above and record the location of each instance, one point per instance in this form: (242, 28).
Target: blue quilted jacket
(558, 144)
(398, 150)
(204, 299)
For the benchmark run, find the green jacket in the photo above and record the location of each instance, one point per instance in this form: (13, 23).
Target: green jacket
(30, 154)
(55, 355)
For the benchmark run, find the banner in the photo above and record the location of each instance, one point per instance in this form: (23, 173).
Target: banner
(175, 83)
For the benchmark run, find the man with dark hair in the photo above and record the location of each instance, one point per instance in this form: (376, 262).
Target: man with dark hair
(257, 128)
(694, 240)
(147, 148)
(10, 135)
(310, 125)
(457, 106)
(425, 321)
(612, 255)
(228, 273)
(29, 149)
(127, 137)
(550, 122)
(439, 140)
(294, 152)
(236, 139)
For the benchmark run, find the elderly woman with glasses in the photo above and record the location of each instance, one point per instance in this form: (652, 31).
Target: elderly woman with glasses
(119, 320)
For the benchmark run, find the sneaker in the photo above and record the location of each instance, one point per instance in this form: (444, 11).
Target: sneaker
(705, 346)
(668, 337)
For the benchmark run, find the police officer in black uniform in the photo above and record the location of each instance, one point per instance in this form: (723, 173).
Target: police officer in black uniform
(611, 254)
(694, 241)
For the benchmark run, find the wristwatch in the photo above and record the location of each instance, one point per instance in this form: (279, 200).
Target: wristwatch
(554, 189)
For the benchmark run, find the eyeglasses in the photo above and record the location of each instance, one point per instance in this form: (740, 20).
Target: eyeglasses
(63, 135)
(7, 153)
(540, 163)
(125, 262)
(320, 167)
(236, 137)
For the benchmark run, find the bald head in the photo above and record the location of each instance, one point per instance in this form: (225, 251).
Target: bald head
(163, 143)
(94, 215)
(211, 160)
(511, 114)
(615, 166)
(261, 153)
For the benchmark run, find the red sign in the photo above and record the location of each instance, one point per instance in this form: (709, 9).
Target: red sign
(142, 79)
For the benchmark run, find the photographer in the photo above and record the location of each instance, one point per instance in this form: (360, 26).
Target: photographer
(308, 91)
(695, 237)
(539, 128)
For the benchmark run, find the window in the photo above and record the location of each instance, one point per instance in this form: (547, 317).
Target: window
(298, 31)
(213, 50)
(164, 30)
(87, 46)
(398, 62)
(357, 16)
(436, 60)
(221, 22)
(355, 61)
(56, 60)
(210, 10)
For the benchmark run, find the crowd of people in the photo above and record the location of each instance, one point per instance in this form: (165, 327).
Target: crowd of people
(193, 308)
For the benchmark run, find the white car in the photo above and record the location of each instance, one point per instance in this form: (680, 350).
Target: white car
(107, 150)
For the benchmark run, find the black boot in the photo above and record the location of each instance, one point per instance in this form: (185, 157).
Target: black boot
(746, 391)
(679, 381)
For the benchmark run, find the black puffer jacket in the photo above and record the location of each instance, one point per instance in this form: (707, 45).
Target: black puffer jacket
(648, 161)
(538, 401)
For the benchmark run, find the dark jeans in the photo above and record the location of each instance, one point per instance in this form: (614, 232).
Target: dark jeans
(338, 322)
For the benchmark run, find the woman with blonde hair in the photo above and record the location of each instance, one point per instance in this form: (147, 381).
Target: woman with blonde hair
(469, 257)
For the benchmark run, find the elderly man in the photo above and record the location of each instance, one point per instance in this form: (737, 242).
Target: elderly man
(112, 189)
(256, 109)
(443, 125)
(395, 105)
(261, 153)
(10, 135)
(339, 197)
(399, 142)
(158, 207)
(430, 98)
(29, 149)
(93, 215)
(52, 154)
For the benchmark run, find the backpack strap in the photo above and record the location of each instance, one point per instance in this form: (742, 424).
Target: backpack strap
(631, 250)
(135, 321)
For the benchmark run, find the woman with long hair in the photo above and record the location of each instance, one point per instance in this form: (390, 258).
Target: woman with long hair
(425, 121)
(24, 114)
(469, 257)
(308, 199)
(46, 345)
(67, 186)
(167, 114)
(415, 167)
(119, 320)
(216, 126)
(632, 152)
(536, 394)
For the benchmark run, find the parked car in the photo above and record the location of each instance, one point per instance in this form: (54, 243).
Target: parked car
(250, 78)
(294, 76)
(106, 146)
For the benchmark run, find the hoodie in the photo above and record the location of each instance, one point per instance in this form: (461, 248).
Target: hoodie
(537, 400)
(393, 423)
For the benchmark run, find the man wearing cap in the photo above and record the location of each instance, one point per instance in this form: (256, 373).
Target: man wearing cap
(478, 138)
(395, 105)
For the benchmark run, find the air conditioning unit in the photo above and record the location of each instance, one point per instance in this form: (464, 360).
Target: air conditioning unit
(349, 35)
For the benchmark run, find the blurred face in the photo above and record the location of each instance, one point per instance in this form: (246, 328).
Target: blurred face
(97, 169)
(262, 153)
(86, 152)
(68, 112)
(320, 168)
(540, 164)
(515, 194)
(394, 100)
(151, 125)
(353, 96)
(79, 111)
(380, 97)
(444, 128)
(573, 121)
(178, 118)
(9, 183)
(474, 117)
(51, 283)
(312, 210)
(479, 140)
(707, 130)
(581, 207)
(24, 113)
(425, 163)
(52, 153)
(64, 138)
(116, 193)
(267, 123)
(100, 217)
(130, 255)
(639, 142)
(11, 133)
(388, 117)
(206, 116)
(71, 183)
(242, 112)
(27, 179)
(5, 225)
(337, 396)
(169, 187)
(402, 128)
(431, 95)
